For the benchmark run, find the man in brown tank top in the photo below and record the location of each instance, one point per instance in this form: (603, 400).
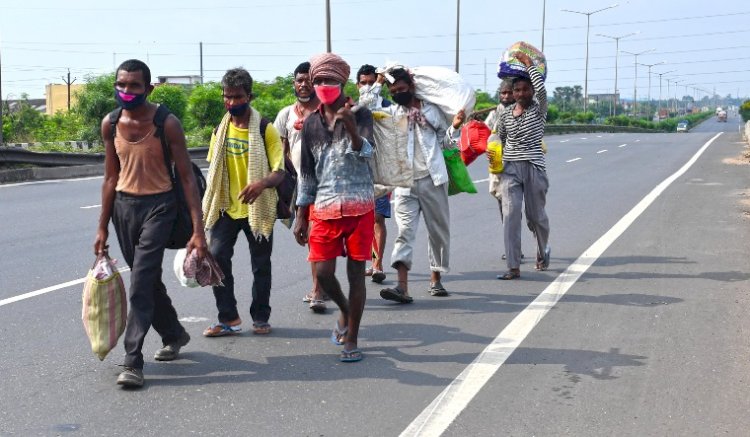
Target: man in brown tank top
(137, 195)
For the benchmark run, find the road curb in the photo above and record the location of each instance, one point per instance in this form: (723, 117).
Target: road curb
(43, 173)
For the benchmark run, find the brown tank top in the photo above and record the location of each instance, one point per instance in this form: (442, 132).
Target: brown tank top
(142, 169)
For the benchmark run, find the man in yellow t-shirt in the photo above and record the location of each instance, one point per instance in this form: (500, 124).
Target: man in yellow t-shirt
(242, 135)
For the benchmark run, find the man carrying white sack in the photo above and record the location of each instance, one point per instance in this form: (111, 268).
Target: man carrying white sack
(521, 128)
(428, 134)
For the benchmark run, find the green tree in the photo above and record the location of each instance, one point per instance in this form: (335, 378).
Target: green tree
(95, 101)
(23, 120)
(204, 111)
(484, 101)
(173, 96)
(553, 113)
(272, 97)
(745, 110)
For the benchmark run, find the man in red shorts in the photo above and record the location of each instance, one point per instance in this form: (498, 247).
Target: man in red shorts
(335, 199)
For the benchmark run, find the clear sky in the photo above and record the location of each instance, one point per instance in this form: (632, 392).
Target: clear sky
(705, 43)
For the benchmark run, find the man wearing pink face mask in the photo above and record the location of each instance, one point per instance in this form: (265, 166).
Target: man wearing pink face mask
(335, 203)
(139, 199)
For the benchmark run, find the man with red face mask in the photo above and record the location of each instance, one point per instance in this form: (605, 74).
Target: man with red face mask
(289, 124)
(137, 195)
(245, 167)
(335, 178)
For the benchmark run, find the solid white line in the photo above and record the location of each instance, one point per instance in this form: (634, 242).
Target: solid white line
(444, 409)
(602, 151)
(50, 181)
(573, 160)
(91, 206)
(31, 294)
(478, 181)
(622, 145)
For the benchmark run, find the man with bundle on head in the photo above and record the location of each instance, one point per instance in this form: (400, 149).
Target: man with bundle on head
(428, 134)
(138, 196)
(369, 96)
(289, 123)
(521, 128)
(246, 164)
(336, 196)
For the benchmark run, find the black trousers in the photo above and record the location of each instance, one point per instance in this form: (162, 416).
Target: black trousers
(143, 225)
(223, 237)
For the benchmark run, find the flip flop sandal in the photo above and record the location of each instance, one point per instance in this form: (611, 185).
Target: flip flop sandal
(338, 335)
(543, 263)
(308, 297)
(351, 356)
(261, 328)
(395, 294)
(438, 290)
(221, 329)
(318, 306)
(369, 271)
(509, 275)
(378, 276)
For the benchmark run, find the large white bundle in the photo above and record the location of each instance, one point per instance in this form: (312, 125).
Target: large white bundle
(390, 164)
(445, 89)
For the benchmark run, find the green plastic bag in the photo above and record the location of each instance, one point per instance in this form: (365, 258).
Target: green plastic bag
(459, 179)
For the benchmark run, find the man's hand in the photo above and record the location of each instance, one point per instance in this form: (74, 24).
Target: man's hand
(251, 192)
(459, 119)
(198, 243)
(301, 228)
(346, 115)
(100, 244)
(524, 59)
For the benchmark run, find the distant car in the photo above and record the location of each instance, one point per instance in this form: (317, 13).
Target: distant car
(722, 116)
(682, 126)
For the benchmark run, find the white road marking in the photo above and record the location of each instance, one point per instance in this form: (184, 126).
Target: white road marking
(564, 141)
(90, 206)
(50, 181)
(478, 181)
(637, 141)
(50, 289)
(444, 409)
(598, 136)
(573, 160)
(622, 145)
(193, 319)
(584, 138)
(602, 151)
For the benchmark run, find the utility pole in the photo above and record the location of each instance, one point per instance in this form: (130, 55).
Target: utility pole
(68, 82)
(328, 26)
(458, 28)
(635, 81)
(617, 52)
(200, 49)
(544, 16)
(588, 26)
(485, 74)
(1, 103)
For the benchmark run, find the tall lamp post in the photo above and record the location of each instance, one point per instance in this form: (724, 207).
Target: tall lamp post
(588, 26)
(660, 75)
(544, 14)
(635, 81)
(649, 77)
(617, 52)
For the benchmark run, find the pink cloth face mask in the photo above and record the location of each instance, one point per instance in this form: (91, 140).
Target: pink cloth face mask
(327, 94)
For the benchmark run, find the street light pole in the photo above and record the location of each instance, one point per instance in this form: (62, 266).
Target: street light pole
(649, 77)
(544, 15)
(588, 26)
(458, 28)
(635, 81)
(660, 75)
(328, 26)
(617, 52)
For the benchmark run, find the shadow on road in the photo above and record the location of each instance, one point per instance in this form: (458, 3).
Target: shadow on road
(598, 365)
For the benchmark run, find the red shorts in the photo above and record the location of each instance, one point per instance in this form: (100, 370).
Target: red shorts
(345, 236)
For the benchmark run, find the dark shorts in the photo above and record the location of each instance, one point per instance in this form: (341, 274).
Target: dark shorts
(383, 205)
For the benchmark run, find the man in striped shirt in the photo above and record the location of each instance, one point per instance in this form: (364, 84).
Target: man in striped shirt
(521, 128)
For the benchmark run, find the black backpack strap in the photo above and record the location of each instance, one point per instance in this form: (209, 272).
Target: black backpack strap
(114, 117)
(160, 118)
(263, 126)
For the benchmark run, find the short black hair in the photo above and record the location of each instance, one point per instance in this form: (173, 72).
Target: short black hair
(366, 70)
(522, 79)
(133, 65)
(400, 74)
(303, 68)
(238, 78)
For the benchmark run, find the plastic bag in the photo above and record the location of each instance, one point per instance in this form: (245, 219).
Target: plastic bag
(105, 306)
(179, 270)
(390, 164)
(473, 142)
(458, 175)
(509, 66)
(445, 89)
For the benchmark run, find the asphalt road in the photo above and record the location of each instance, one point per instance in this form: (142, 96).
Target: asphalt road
(650, 340)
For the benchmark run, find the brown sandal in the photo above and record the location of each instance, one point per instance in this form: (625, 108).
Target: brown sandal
(510, 275)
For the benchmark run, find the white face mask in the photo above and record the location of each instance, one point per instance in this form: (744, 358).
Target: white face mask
(365, 89)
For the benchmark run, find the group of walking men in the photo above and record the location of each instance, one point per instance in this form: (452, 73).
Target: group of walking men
(329, 139)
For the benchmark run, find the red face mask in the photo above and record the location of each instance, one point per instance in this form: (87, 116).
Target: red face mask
(327, 94)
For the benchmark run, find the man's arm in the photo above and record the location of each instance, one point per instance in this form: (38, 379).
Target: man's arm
(178, 149)
(111, 176)
(307, 189)
(275, 155)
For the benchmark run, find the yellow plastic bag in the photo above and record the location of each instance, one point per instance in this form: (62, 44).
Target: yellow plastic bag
(105, 306)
